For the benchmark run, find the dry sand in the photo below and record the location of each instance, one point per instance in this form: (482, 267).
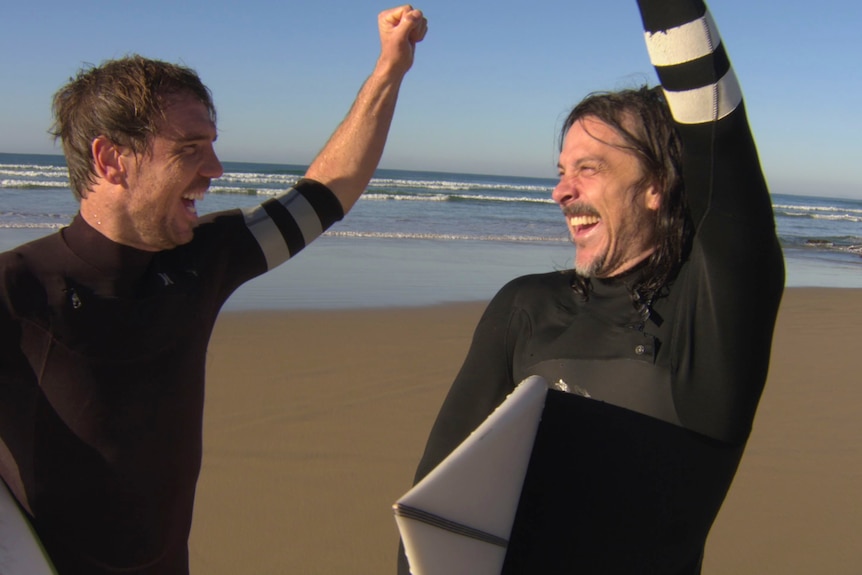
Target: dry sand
(315, 421)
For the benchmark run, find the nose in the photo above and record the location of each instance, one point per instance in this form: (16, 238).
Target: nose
(564, 193)
(212, 167)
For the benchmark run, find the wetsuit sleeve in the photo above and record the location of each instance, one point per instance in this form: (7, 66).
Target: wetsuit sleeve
(284, 225)
(234, 246)
(16, 373)
(736, 269)
(484, 381)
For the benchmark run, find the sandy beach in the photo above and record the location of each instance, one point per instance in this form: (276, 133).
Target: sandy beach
(315, 421)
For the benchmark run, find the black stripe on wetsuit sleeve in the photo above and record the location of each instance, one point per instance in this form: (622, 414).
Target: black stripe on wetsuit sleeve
(695, 74)
(660, 15)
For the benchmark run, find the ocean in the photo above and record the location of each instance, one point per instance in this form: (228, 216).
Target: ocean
(420, 238)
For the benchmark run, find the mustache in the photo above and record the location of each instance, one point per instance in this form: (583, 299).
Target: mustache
(201, 184)
(580, 209)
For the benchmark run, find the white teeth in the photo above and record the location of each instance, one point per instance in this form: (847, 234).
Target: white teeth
(577, 221)
(193, 196)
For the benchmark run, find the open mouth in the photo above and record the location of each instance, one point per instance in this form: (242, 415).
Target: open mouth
(190, 207)
(189, 200)
(583, 223)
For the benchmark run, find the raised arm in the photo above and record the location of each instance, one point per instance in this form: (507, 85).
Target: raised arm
(347, 162)
(721, 166)
(734, 275)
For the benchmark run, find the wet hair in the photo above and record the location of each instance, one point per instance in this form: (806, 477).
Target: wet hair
(123, 100)
(643, 120)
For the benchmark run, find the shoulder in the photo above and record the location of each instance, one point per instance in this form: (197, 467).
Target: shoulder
(544, 282)
(29, 258)
(13, 267)
(217, 223)
(222, 245)
(224, 230)
(528, 291)
(23, 271)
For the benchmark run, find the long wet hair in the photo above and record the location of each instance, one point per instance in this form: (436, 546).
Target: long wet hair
(125, 101)
(643, 120)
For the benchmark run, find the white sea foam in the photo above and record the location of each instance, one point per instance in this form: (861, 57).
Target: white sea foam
(285, 180)
(32, 225)
(31, 171)
(32, 184)
(417, 205)
(792, 210)
(455, 185)
(431, 236)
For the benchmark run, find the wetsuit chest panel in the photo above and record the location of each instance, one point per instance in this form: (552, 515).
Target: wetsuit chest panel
(634, 385)
(107, 365)
(613, 491)
(601, 350)
(122, 327)
(102, 404)
(117, 402)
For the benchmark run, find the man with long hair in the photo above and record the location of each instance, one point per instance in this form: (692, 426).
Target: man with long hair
(656, 345)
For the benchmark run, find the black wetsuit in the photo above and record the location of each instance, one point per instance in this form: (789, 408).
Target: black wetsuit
(102, 360)
(631, 466)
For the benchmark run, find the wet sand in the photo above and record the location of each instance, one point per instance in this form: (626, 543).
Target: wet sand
(315, 421)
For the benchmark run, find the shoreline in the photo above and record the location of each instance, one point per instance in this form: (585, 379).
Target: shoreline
(315, 421)
(357, 273)
(370, 273)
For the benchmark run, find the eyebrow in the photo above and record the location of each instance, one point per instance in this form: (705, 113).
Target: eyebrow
(194, 137)
(588, 159)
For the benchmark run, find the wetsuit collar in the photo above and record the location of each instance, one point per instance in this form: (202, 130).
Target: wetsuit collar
(111, 260)
(613, 297)
(627, 279)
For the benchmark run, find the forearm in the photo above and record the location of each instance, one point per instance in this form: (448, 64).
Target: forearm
(348, 161)
(684, 46)
(721, 166)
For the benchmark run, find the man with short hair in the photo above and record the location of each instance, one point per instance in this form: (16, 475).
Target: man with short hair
(656, 344)
(104, 325)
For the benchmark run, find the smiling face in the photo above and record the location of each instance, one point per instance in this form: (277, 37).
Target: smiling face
(609, 207)
(164, 183)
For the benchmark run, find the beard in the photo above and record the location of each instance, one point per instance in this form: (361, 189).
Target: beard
(592, 267)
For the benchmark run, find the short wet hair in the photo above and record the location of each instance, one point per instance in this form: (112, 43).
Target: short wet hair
(124, 100)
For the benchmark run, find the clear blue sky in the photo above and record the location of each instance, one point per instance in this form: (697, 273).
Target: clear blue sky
(489, 88)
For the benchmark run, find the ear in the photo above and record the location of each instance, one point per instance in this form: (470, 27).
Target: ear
(109, 160)
(652, 197)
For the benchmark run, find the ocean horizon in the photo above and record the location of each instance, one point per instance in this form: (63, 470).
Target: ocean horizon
(424, 238)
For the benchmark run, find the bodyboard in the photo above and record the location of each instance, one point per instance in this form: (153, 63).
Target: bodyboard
(458, 518)
(21, 553)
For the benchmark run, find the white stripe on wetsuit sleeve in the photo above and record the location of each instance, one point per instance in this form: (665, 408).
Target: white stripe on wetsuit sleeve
(708, 104)
(269, 237)
(683, 43)
(304, 214)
